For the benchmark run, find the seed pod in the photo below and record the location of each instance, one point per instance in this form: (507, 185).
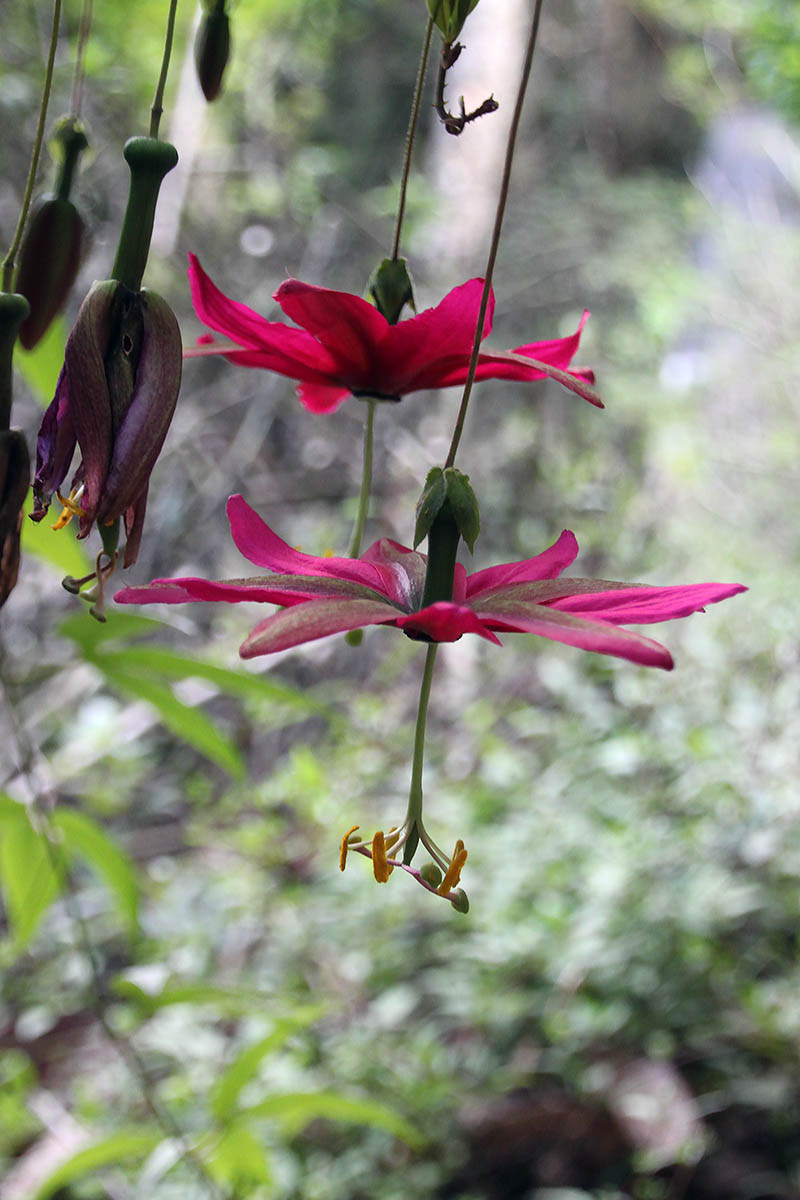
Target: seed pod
(212, 48)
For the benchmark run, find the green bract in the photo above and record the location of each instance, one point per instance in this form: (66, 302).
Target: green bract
(450, 15)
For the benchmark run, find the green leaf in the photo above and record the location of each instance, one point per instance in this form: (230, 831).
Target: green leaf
(295, 1110)
(59, 549)
(189, 724)
(108, 1152)
(245, 1066)
(90, 634)
(240, 1159)
(29, 874)
(84, 837)
(228, 1000)
(40, 367)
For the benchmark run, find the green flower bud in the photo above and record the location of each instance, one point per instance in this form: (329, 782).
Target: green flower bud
(212, 48)
(390, 288)
(460, 903)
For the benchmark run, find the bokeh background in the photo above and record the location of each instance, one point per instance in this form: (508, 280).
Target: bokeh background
(618, 1015)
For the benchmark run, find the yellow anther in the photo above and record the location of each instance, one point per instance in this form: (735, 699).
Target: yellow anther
(71, 508)
(343, 851)
(328, 554)
(454, 870)
(380, 864)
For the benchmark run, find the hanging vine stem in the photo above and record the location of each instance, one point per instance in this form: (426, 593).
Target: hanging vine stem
(77, 78)
(157, 106)
(9, 262)
(44, 798)
(410, 135)
(498, 225)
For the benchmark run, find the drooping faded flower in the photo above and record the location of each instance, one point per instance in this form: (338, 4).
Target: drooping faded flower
(115, 399)
(345, 347)
(322, 596)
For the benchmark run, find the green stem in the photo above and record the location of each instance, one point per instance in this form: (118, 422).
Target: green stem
(157, 108)
(9, 260)
(83, 37)
(498, 225)
(412, 129)
(414, 812)
(366, 483)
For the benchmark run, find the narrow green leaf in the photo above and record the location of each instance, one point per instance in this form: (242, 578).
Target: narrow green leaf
(29, 877)
(90, 634)
(245, 1066)
(133, 1143)
(59, 549)
(240, 1159)
(189, 724)
(295, 1110)
(229, 1000)
(85, 838)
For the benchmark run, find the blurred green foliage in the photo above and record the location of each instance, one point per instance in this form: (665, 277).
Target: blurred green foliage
(633, 838)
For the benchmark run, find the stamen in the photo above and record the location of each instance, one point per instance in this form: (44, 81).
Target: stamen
(343, 850)
(454, 870)
(381, 867)
(71, 507)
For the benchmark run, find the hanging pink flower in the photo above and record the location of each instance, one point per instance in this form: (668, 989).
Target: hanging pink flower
(384, 586)
(344, 346)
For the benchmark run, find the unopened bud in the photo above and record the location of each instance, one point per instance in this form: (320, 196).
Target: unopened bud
(212, 48)
(51, 248)
(14, 479)
(460, 902)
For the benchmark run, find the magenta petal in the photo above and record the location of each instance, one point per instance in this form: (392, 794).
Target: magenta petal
(270, 345)
(256, 541)
(402, 570)
(418, 352)
(547, 565)
(446, 622)
(575, 631)
(645, 605)
(55, 447)
(312, 620)
(267, 589)
(559, 352)
(349, 328)
(322, 397)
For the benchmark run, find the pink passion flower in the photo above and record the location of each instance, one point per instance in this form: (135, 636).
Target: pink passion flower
(345, 347)
(322, 596)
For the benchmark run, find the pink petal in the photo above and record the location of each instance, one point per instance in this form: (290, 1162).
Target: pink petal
(546, 565)
(575, 631)
(269, 345)
(645, 605)
(446, 622)
(268, 589)
(348, 327)
(315, 619)
(402, 570)
(256, 541)
(322, 397)
(417, 352)
(557, 352)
